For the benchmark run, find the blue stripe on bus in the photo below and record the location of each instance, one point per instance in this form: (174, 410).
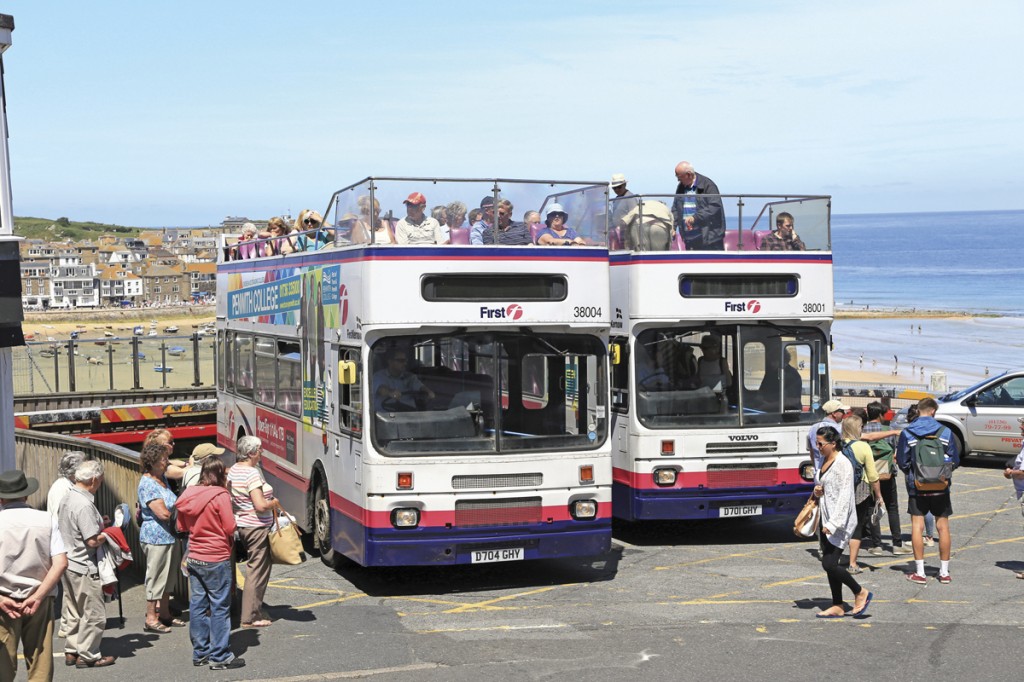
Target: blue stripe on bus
(632, 505)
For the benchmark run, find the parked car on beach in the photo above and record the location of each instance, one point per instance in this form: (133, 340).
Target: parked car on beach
(983, 418)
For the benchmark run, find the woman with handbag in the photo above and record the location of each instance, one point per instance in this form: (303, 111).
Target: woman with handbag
(155, 503)
(252, 500)
(838, 522)
(204, 511)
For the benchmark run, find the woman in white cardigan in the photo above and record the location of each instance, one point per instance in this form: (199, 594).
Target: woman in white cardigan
(838, 521)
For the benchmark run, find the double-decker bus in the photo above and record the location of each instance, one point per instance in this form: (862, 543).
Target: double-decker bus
(723, 358)
(428, 403)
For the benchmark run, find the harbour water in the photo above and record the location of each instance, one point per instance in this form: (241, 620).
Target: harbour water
(958, 262)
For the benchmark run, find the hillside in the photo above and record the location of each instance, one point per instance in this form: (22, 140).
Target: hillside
(62, 229)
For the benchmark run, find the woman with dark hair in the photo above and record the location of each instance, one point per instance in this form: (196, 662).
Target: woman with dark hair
(838, 521)
(156, 502)
(204, 510)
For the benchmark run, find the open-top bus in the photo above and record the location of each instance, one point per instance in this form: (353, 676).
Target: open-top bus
(428, 404)
(723, 359)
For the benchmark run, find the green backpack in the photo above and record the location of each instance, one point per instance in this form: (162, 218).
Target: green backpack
(885, 463)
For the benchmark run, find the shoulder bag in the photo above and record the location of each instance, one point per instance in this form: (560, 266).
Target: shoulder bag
(285, 543)
(806, 524)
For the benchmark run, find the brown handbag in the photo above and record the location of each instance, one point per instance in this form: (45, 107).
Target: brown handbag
(285, 544)
(806, 523)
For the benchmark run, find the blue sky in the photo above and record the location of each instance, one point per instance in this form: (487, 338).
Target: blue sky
(182, 113)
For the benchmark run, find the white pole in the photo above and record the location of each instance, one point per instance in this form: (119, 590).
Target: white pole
(7, 457)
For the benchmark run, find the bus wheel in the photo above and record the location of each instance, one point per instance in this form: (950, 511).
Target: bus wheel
(322, 527)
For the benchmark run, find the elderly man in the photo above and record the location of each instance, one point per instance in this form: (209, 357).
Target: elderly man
(32, 560)
(417, 227)
(623, 201)
(699, 214)
(783, 238)
(484, 222)
(510, 233)
(81, 528)
(65, 482)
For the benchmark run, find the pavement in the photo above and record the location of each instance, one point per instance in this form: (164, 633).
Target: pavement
(725, 600)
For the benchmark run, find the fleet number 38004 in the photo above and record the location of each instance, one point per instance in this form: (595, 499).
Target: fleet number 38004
(586, 311)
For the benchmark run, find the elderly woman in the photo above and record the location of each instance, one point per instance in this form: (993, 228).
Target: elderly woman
(455, 213)
(246, 246)
(838, 521)
(175, 467)
(557, 232)
(252, 500)
(204, 510)
(279, 239)
(313, 233)
(156, 501)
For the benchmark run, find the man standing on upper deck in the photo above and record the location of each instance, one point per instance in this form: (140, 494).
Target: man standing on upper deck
(509, 233)
(623, 202)
(784, 237)
(416, 227)
(698, 211)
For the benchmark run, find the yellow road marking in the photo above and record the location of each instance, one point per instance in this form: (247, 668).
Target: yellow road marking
(496, 628)
(720, 557)
(981, 490)
(330, 601)
(487, 605)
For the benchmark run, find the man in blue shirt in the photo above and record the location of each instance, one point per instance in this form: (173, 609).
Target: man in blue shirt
(921, 503)
(476, 232)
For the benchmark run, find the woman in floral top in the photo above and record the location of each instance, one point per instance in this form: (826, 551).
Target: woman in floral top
(156, 501)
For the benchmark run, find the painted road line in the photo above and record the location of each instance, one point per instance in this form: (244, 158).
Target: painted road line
(489, 604)
(355, 674)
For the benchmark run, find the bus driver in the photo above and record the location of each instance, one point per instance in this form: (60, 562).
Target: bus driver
(396, 385)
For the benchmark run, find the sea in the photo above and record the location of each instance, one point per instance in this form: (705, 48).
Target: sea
(967, 263)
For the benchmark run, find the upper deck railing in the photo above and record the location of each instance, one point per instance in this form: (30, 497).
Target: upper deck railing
(720, 222)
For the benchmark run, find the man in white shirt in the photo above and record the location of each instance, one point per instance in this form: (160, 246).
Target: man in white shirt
(32, 560)
(417, 227)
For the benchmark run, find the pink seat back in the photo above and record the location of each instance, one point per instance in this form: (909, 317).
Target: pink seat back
(459, 235)
(534, 231)
(615, 239)
(677, 242)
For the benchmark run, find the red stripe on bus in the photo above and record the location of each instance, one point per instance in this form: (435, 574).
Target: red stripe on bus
(732, 478)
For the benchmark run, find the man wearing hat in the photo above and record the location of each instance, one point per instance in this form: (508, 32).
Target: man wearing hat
(32, 560)
(195, 463)
(476, 232)
(834, 412)
(417, 227)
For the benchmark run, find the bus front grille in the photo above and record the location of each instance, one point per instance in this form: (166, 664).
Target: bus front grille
(489, 481)
(755, 447)
(742, 475)
(519, 511)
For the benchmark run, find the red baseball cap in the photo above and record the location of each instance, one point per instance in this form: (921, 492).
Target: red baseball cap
(416, 198)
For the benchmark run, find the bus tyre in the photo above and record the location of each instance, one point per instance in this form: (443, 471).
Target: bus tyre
(322, 527)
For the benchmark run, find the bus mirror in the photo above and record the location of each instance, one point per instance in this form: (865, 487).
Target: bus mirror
(346, 372)
(615, 352)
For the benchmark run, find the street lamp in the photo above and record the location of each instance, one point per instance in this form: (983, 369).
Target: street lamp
(11, 313)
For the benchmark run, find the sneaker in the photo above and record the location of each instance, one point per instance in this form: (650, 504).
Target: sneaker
(945, 579)
(228, 665)
(900, 550)
(928, 542)
(876, 551)
(200, 661)
(917, 578)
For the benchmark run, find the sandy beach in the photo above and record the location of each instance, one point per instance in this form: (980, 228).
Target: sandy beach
(59, 324)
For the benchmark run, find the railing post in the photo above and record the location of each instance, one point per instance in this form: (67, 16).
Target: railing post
(56, 370)
(739, 205)
(71, 366)
(195, 359)
(136, 385)
(163, 362)
(110, 363)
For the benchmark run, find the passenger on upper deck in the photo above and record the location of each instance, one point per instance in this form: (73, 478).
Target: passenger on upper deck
(440, 214)
(278, 238)
(699, 214)
(509, 233)
(486, 220)
(308, 240)
(370, 223)
(396, 385)
(624, 203)
(647, 226)
(246, 247)
(416, 227)
(456, 214)
(784, 237)
(557, 233)
(532, 220)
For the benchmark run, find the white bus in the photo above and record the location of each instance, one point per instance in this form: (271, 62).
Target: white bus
(428, 404)
(723, 359)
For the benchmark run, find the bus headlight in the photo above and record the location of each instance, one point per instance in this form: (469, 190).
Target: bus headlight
(665, 476)
(405, 518)
(583, 509)
(807, 471)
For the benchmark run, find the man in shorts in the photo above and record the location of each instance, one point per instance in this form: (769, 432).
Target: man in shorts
(921, 503)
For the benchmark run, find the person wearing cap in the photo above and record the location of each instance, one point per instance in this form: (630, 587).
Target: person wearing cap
(557, 233)
(698, 211)
(509, 232)
(833, 411)
(623, 201)
(486, 220)
(417, 227)
(195, 463)
(32, 561)
(81, 528)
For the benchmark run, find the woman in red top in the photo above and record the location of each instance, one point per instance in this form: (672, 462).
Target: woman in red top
(204, 510)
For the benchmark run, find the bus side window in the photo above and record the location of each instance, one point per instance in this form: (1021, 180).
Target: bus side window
(350, 396)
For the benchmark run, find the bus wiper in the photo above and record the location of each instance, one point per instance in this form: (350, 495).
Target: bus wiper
(544, 342)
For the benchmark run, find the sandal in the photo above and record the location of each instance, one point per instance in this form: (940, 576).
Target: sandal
(157, 627)
(173, 623)
(257, 624)
(1020, 575)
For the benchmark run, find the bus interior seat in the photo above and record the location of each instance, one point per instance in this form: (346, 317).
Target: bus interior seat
(459, 235)
(698, 401)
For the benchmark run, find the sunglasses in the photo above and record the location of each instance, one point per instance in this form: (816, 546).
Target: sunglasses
(311, 221)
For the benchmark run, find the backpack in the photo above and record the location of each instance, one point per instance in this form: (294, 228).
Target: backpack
(885, 464)
(861, 489)
(931, 469)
